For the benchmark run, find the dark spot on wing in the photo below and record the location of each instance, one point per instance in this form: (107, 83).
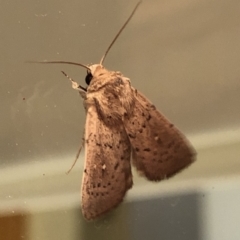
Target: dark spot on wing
(149, 117)
(153, 107)
(116, 166)
(131, 135)
(146, 150)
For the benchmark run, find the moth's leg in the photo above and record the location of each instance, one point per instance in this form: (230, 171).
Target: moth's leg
(78, 153)
(82, 91)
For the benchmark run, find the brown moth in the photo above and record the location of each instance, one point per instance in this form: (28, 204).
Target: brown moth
(122, 124)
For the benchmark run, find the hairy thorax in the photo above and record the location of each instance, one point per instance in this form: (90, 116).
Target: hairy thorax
(111, 94)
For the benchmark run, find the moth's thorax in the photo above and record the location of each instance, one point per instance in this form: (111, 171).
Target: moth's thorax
(98, 70)
(110, 94)
(101, 77)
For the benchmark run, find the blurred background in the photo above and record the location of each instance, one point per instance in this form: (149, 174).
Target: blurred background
(183, 55)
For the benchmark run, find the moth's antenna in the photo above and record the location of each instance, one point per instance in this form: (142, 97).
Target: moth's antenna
(62, 62)
(134, 10)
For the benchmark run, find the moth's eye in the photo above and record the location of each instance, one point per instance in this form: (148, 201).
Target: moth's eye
(88, 78)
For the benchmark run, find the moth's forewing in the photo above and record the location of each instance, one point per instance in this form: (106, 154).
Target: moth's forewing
(107, 171)
(159, 149)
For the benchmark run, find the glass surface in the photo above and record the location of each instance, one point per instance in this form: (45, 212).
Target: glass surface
(183, 55)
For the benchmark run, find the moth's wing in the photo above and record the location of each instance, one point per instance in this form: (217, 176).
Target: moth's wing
(107, 172)
(159, 149)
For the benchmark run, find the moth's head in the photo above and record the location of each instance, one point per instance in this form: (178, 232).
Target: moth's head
(94, 71)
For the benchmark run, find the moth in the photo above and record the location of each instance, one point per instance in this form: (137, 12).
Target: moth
(123, 126)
